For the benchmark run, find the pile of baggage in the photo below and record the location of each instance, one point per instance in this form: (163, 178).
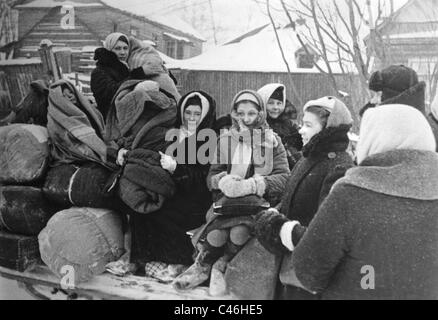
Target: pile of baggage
(59, 215)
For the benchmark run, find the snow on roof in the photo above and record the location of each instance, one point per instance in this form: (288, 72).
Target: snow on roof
(155, 12)
(57, 3)
(256, 53)
(21, 62)
(171, 35)
(168, 61)
(418, 11)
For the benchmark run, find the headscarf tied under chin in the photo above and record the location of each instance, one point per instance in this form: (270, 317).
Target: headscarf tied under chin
(260, 140)
(111, 40)
(392, 127)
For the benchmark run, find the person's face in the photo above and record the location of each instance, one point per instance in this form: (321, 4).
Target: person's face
(192, 115)
(121, 50)
(247, 113)
(311, 126)
(275, 108)
(67, 93)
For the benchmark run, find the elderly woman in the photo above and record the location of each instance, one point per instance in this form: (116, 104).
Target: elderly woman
(374, 236)
(111, 70)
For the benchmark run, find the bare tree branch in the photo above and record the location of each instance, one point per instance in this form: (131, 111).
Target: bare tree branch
(291, 82)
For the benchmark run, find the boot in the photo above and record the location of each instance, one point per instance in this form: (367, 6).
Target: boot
(199, 271)
(218, 285)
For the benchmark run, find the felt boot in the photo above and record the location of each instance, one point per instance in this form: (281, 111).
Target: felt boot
(199, 271)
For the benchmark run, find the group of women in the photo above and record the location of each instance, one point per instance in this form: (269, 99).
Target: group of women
(332, 216)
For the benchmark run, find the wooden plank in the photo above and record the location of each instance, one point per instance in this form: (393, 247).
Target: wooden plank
(108, 286)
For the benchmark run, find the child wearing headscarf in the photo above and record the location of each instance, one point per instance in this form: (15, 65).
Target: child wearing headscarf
(280, 117)
(250, 160)
(325, 128)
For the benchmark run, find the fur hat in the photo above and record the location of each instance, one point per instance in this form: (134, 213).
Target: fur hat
(339, 113)
(399, 85)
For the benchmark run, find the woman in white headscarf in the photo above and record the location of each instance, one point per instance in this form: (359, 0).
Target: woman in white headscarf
(375, 235)
(111, 70)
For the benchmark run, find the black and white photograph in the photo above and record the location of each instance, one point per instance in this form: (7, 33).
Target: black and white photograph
(219, 154)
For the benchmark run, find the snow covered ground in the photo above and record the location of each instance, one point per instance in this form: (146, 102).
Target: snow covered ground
(9, 290)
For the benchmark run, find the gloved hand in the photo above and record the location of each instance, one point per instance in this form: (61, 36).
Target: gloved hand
(216, 178)
(234, 186)
(267, 228)
(121, 157)
(167, 162)
(147, 85)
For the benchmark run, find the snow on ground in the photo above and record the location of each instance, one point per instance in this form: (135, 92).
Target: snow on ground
(9, 290)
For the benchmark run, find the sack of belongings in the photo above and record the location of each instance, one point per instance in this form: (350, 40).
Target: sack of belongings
(18, 252)
(24, 153)
(24, 210)
(82, 240)
(144, 184)
(82, 186)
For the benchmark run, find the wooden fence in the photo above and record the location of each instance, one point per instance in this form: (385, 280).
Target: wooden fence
(223, 85)
(16, 76)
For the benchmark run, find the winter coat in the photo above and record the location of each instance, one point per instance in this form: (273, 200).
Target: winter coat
(288, 132)
(161, 236)
(76, 131)
(270, 184)
(324, 161)
(107, 77)
(139, 118)
(144, 184)
(374, 230)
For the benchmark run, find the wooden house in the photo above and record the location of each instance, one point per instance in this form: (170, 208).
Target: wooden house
(85, 23)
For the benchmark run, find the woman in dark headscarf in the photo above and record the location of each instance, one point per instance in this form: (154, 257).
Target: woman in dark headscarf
(111, 70)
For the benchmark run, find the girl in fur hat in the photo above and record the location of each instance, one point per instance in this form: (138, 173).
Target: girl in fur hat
(251, 160)
(326, 123)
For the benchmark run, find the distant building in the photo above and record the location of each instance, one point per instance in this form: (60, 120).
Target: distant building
(410, 37)
(93, 21)
(258, 51)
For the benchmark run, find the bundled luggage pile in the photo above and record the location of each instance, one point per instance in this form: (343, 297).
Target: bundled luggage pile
(60, 215)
